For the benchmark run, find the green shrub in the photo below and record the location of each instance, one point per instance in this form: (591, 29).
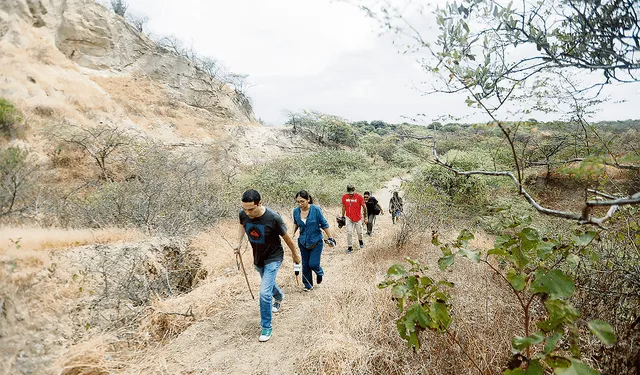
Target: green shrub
(9, 117)
(17, 180)
(324, 175)
(461, 190)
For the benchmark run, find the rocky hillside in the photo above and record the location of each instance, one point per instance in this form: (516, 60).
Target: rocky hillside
(73, 61)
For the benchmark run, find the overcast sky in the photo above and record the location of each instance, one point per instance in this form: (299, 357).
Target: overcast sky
(317, 55)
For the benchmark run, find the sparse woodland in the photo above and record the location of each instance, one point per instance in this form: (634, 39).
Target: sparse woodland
(518, 252)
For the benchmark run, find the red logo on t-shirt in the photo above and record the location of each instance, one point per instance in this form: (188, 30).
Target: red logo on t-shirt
(255, 234)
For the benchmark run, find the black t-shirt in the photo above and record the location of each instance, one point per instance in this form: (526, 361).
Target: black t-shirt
(371, 204)
(264, 235)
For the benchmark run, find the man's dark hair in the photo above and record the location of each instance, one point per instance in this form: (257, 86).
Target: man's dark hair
(366, 193)
(350, 188)
(251, 196)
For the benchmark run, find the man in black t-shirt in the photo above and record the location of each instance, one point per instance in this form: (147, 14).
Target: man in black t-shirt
(373, 209)
(264, 227)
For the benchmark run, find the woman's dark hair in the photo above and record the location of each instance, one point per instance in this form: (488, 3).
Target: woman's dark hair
(304, 195)
(251, 196)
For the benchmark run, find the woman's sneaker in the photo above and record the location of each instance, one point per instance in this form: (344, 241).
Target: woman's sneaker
(349, 250)
(319, 279)
(276, 305)
(361, 244)
(265, 334)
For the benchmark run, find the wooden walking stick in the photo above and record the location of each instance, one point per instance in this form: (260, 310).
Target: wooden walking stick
(239, 263)
(239, 256)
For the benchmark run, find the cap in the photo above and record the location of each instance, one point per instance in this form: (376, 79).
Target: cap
(351, 188)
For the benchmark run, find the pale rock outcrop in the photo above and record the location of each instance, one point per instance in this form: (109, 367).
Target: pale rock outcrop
(52, 49)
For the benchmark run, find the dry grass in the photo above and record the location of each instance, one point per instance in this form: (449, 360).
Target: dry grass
(215, 244)
(151, 106)
(359, 321)
(33, 238)
(87, 358)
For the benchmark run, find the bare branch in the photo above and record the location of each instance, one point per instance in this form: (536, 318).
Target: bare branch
(583, 218)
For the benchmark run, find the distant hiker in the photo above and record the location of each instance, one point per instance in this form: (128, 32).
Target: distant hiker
(395, 206)
(355, 208)
(309, 218)
(264, 227)
(373, 209)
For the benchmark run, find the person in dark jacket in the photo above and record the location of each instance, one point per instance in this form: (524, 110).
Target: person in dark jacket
(309, 219)
(373, 209)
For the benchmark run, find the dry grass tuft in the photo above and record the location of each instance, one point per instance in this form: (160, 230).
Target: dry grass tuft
(87, 358)
(162, 326)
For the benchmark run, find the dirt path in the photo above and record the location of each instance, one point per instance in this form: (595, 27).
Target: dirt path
(226, 341)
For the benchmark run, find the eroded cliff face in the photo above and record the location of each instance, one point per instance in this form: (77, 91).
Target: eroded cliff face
(76, 61)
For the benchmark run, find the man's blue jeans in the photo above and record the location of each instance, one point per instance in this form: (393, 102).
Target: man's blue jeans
(311, 262)
(268, 290)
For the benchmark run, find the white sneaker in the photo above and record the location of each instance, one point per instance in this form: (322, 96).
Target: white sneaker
(265, 334)
(276, 305)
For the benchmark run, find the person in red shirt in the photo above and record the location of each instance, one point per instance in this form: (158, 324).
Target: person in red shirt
(356, 210)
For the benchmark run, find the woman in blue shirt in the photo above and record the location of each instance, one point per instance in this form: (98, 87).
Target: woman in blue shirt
(309, 218)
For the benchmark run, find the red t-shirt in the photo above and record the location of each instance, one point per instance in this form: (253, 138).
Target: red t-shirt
(353, 206)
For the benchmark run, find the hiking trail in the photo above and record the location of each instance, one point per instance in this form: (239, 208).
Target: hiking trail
(226, 342)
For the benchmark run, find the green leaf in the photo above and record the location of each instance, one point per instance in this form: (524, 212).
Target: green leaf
(465, 236)
(530, 234)
(434, 240)
(516, 280)
(518, 257)
(474, 256)
(426, 281)
(550, 342)
(399, 290)
(418, 315)
(439, 313)
(603, 331)
(397, 270)
(515, 371)
(584, 239)
(445, 282)
(577, 367)
(535, 368)
(520, 343)
(556, 361)
(501, 240)
(497, 251)
(545, 248)
(560, 313)
(445, 262)
(415, 316)
(554, 283)
(573, 260)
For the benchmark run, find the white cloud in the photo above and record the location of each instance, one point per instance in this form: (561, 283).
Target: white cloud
(263, 38)
(318, 54)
